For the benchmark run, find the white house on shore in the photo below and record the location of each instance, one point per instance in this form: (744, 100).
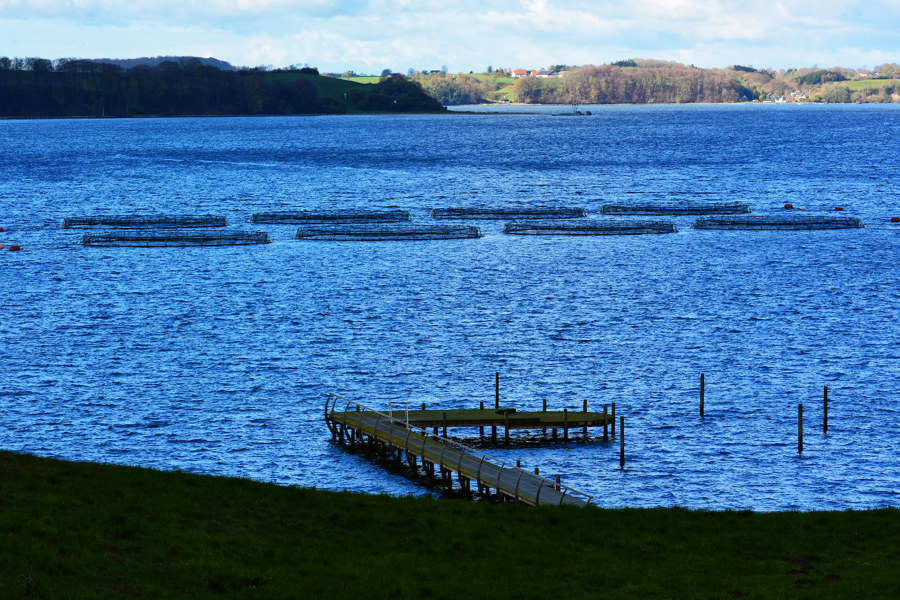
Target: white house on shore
(519, 73)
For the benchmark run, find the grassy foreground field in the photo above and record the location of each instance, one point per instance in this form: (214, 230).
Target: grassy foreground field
(80, 530)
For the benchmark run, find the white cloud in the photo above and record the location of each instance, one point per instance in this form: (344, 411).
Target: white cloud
(374, 34)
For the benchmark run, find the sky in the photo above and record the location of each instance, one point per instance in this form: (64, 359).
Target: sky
(461, 35)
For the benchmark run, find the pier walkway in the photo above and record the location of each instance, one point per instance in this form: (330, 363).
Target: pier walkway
(356, 424)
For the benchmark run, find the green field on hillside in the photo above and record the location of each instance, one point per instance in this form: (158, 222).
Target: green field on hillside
(80, 530)
(863, 84)
(361, 79)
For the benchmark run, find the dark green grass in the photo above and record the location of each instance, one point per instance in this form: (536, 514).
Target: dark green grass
(326, 87)
(80, 530)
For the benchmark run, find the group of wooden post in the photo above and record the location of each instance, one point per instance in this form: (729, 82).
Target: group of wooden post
(799, 412)
(384, 449)
(607, 423)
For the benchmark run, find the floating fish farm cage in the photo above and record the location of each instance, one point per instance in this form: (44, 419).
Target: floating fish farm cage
(338, 216)
(146, 221)
(175, 239)
(675, 208)
(778, 222)
(508, 213)
(598, 227)
(372, 233)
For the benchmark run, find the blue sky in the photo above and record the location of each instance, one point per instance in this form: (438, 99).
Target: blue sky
(464, 35)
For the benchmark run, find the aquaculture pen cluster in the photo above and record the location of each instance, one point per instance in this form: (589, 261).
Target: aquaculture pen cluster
(508, 213)
(145, 221)
(166, 231)
(675, 208)
(778, 222)
(397, 225)
(589, 227)
(362, 233)
(331, 217)
(176, 239)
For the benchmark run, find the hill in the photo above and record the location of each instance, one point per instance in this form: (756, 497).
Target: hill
(81, 530)
(155, 61)
(641, 81)
(88, 88)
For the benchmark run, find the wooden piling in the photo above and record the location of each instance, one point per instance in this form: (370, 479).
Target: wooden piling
(584, 428)
(613, 420)
(559, 480)
(544, 409)
(605, 425)
(537, 471)
(444, 418)
(496, 405)
(825, 412)
(506, 427)
(565, 423)
(622, 441)
(799, 428)
(702, 392)
(481, 429)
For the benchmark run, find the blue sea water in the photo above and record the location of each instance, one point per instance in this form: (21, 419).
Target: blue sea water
(219, 360)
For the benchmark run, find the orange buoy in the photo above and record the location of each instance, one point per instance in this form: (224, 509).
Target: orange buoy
(2, 246)
(838, 208)
(788, 205)
(15, 248)
(895, 219)
(2, 230)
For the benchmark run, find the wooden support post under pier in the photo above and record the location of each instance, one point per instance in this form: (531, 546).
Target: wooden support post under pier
(544, 409)
(605, 425)
(496, 406)
(584, 428)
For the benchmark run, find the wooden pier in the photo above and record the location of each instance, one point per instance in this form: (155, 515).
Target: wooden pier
(393, 435)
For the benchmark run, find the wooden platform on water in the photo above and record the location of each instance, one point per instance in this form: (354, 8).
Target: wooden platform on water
(508, 418)
(393, 435)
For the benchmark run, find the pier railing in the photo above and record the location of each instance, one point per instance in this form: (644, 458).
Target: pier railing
(470, 464)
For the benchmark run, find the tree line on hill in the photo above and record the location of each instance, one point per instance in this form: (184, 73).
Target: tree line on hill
(639, 81)
(36, 87)
(175, 86)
